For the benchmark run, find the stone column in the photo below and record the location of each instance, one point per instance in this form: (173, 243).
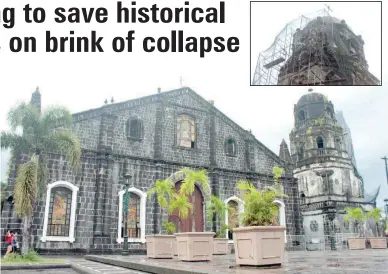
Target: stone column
(249, 152)
(213, 174)
(215, 187)
(158, 136)
(104, 173)
(113, 170)
(158, 157)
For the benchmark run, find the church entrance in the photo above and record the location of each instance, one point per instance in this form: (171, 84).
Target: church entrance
(184, 225)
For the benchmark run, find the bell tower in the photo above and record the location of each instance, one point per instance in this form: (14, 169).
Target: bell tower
(326, 178)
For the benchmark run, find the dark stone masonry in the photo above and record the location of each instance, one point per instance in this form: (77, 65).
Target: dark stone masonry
(140, 137)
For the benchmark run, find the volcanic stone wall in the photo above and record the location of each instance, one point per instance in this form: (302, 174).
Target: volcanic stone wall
(108, 154)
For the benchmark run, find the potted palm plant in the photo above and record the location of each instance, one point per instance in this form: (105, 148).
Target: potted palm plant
(357, 216)
(194, 246)
(261, 240)
(378, 241)
(161, 246)
(217, 207)
(183, 206)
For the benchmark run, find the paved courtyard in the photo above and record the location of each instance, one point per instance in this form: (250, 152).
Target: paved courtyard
(330, 262)
(40, 271)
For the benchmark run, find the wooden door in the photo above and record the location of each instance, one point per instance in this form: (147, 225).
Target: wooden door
(185, 225)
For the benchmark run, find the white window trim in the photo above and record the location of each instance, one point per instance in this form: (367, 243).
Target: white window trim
(282, 216)
(143, 199)
(74, 190)
(240, 210)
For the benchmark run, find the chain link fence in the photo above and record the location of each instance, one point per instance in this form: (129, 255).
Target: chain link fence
(318, 243)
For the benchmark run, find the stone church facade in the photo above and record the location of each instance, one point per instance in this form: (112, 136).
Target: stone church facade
(148, 138)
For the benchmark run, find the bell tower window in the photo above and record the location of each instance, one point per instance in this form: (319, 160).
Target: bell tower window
(320, 143)
(301, 117)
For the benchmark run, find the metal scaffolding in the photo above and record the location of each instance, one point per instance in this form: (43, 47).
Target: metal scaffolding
(314, 50)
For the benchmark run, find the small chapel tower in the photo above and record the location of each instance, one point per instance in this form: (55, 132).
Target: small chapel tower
(36, 99)
(326, 176)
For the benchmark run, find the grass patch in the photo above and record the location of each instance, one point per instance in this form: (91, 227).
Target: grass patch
(30, 257)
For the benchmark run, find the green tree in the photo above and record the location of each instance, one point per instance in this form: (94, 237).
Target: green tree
(357, 216)
(3, 189)
(259, 206)
(217, 207)
(163, 190)
(182, 204)
(49, 131)
(375, 214)
(193, 177)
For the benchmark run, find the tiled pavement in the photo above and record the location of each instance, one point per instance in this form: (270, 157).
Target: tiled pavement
(83, 266)
(40, 271)
(307, 262)
(331, 262)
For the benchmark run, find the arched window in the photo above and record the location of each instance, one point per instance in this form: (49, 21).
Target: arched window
(135, 216)
(301, 116)
(230, 147)
(59, 218)
(134, 129)
(302, 198)
(186, 131)
(301, 151)
(59, 212)
(320, 143)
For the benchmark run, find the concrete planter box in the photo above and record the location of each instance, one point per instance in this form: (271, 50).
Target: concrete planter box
(356, 243)
(220, 246)
(378, 242)
(195, 246)
(259, 245)
(160, 246)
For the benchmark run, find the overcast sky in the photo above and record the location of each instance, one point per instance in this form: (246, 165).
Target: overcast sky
(83, 81)
(364, 18)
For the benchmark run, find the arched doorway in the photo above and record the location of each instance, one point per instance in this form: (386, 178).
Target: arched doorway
(184, 225)
(282, 216)
(232, 217)
(235, 207)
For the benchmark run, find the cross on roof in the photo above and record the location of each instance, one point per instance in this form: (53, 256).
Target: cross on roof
(328, 8)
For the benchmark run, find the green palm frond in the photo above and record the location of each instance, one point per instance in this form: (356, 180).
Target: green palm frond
(277, 173)
(182, 204)
(3, 189)
(192, 177)
(56, 117)
(67, 143)
(245, 188)
(354, 214)
(163, 189)
(259, 206)
(26, 187)
(169, 227)
(42, 175)
(216, 206)
(375, 214)
(10, 140)
(25, 116)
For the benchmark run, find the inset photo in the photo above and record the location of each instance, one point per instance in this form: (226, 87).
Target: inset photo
(316, 43)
